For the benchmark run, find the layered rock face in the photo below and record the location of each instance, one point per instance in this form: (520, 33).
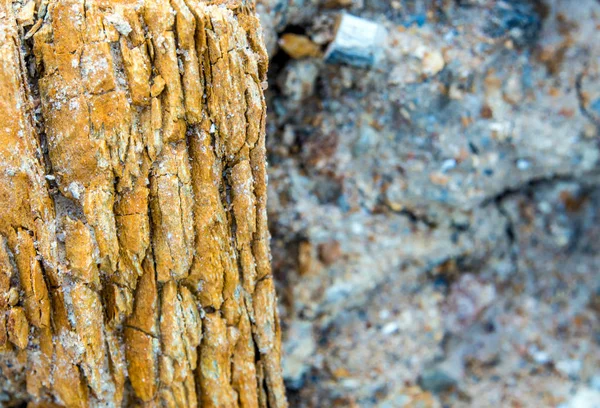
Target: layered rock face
(135, 266)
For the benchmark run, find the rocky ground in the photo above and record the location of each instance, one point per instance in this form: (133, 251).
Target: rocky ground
(435, 210)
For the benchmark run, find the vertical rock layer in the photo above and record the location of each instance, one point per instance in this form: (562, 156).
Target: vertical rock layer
(134, 257)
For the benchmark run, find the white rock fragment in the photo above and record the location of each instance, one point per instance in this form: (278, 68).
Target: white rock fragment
(75, 189)
(350, 383)
(523, 164)
(433, 62)
(25, 16)
(357, 42)
(585, 398)
(448, 164)
(119, 22)
(390, 328)
(298, 351)
(384, 314)
(539, 356)
(570, 368)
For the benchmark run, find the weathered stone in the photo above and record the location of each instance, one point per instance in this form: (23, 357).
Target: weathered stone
(119, 275)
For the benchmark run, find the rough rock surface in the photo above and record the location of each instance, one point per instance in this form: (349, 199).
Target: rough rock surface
(435, 216)
(134, 258)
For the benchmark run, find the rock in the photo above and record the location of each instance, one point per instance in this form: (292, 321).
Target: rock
(539, 356)
(329, 252)
(25, 15)
(299, 46)
(298, 80)
(306, 262)
(390, 328)
(438, 178)
(158, 86)
(298, 349)
(395, 194)
(519, 19)
(437, 380)
(337, 3)
(446, 374)
(268, 17)
(433, 62)
(123, 206)
(358, 42)
(367, 140)
(584, 398)
(322, 30)
(570, 368)
(119, 22)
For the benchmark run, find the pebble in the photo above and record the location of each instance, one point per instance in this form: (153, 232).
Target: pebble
(358, 42)
(433, 62)
(436, 380)
(305, 258)
(298, 80)
(523, 164)
(350, 383)
(329, 252)
(337, 3)
(25, 15)
(299, 46)
(366, 142)
(584, 398)
(439, 179)
(384, 314)
(539, 356)
(569, 368)
(297, 351)
(390, 328)
(448, 164)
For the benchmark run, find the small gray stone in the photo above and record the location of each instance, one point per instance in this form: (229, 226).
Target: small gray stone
(437, 380)
(358, 42)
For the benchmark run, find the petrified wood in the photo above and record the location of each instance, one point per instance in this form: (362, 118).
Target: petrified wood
(134, 250)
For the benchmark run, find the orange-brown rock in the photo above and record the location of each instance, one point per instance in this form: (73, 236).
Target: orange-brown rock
(134, 257)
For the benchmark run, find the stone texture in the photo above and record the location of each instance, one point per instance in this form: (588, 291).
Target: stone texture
(135, 268)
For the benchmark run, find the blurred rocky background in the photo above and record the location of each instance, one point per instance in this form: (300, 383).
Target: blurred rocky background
(435, 200)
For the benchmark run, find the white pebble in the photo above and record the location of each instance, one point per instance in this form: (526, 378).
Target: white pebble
(390, 328)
